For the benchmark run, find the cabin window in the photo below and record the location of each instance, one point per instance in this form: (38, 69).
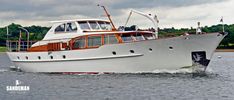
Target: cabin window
(138, 37)
(84, 25)
(149, 36)
(79, 43)
(109, 27)
(94, 25)
(104, 25)
(94, 41)
(71, 27)
(110, 39)
(60, 28)
(126, 37)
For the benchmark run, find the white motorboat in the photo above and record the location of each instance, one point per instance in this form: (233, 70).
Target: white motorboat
(95, 46)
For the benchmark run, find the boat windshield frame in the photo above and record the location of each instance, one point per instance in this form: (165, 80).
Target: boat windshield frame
(94, 25)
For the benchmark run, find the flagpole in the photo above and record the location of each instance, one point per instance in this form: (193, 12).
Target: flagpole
(223, 27)
(7, 32)
(7, 38)
(222, 24)
(19, 42)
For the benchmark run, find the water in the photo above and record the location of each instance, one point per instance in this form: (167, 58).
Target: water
(216, 84)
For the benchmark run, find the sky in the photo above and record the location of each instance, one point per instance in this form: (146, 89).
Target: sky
(171, 13)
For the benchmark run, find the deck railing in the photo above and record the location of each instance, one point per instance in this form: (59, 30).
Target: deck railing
(21, 46)
(16, 46)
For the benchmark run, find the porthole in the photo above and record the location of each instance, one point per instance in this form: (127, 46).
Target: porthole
(51, 57)
(132, 51)
(26, 57)
(18, 57)
(64, 57)
(114, 53)
(170, 48)
(150, 49)
(39, 57)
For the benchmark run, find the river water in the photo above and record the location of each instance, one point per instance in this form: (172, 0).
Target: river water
(216, 84)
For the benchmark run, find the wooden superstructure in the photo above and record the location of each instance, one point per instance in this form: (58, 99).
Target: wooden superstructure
(94, 41)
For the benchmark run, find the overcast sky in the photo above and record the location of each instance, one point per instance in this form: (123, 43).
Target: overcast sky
(171, 13)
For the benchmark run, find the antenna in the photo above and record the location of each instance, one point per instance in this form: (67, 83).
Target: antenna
(108, 15)
(7, 42)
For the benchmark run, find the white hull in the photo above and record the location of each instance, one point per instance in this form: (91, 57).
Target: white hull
(102, 59)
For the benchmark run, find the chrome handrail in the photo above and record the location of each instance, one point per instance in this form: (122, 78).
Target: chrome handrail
(16, 46)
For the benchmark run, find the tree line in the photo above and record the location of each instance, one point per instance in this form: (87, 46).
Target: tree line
(38, 32)
(226, 43)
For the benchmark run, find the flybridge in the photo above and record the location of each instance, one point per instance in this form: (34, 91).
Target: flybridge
(74, 28)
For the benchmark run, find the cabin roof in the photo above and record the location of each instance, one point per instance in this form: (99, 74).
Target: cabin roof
(74, 20)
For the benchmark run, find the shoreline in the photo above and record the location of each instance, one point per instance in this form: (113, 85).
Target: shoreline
(2, 53)
(224, 50)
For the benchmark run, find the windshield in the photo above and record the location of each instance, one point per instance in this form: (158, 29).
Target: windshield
(84, 25)
(104, 25)
(94, 25)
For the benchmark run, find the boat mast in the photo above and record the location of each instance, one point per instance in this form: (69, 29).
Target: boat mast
(108, 15)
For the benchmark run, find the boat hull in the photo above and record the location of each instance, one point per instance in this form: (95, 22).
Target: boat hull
(143, 56)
